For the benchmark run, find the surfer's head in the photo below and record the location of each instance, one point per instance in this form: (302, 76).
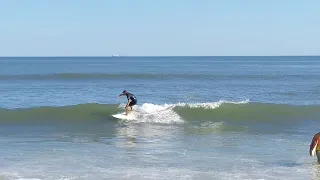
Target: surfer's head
(124, 92)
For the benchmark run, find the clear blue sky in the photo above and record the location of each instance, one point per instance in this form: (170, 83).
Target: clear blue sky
(159, 27)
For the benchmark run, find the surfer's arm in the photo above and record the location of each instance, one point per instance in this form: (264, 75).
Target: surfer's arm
(311, 145)
(310, 149)
(120, 95)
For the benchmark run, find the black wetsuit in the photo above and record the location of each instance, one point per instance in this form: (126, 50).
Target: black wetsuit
(132, 98)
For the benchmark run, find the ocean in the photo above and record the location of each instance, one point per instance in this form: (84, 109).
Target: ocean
(196, 118)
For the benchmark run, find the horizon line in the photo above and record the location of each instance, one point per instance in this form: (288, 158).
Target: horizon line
(110, 56)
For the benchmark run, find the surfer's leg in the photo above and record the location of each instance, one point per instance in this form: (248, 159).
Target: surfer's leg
(318, 156)
(132, 103)
(127, 109)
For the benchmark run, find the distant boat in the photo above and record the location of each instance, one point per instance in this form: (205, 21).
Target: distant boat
(115, 55)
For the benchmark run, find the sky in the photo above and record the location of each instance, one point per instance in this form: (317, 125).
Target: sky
(159, 27)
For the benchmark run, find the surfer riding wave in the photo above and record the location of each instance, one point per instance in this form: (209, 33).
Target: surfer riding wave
(132, 100)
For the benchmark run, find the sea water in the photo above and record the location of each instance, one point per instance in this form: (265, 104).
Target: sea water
(196, 118)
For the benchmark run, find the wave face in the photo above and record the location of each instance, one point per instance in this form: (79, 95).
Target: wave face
(241, 113)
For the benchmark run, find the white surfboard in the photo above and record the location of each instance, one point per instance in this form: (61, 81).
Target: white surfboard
(123, 116)
(313, 152)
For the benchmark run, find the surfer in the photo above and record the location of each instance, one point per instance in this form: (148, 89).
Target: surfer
(314, 142)
(132, 100)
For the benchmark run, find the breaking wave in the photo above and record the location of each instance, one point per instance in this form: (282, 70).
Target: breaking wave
(221, 111)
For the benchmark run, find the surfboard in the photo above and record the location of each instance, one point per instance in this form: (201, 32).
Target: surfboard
(123, 116)
(313, 152)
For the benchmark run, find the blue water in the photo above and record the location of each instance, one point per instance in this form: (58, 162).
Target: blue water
(196, 118)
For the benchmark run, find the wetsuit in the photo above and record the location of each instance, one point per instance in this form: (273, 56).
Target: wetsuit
(132, 98)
